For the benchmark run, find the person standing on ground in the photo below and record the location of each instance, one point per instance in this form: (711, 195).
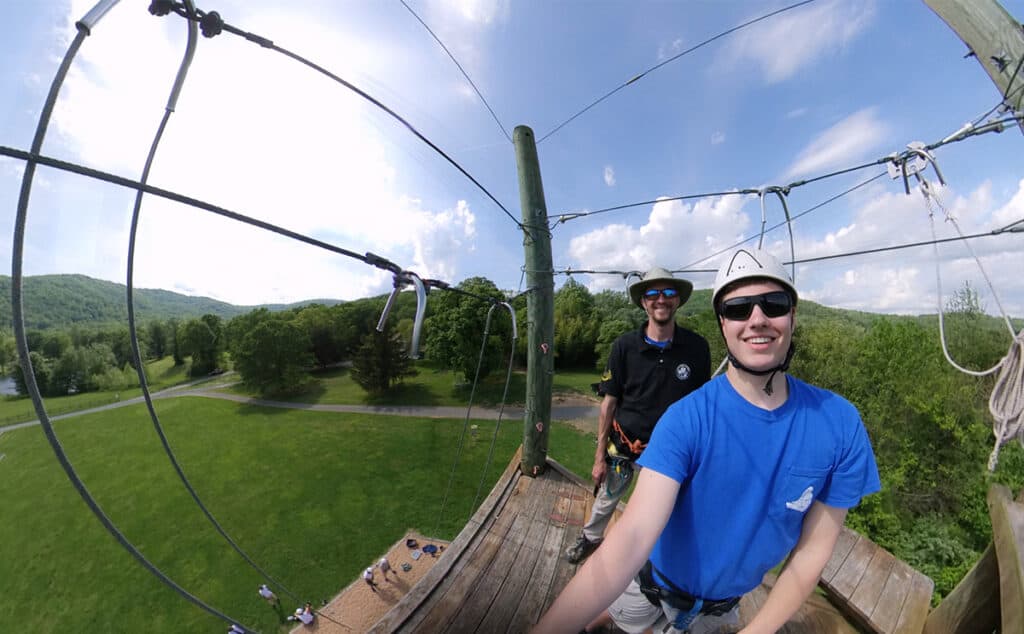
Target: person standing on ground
(753, 468)
(385, 568)
(648, 370)
(368, 578)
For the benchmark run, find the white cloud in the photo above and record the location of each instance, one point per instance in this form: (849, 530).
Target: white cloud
(609, 176)
(904, 281)
(848, 141)
(782, 45)
(674, 234)
(718, 137)
(308, 156)
(796, 113)
(671, 49)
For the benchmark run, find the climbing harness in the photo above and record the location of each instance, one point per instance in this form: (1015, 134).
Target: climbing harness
(1006, 402)
(689, 606)
(620, 471)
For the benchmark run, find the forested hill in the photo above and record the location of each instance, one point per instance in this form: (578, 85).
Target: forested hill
(61, 300)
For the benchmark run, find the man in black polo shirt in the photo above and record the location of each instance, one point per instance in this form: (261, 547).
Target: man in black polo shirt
(648, 370)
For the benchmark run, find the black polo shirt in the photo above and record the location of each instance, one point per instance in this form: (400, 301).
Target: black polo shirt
(647, 379)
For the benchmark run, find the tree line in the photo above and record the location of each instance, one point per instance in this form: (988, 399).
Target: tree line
(928, 423)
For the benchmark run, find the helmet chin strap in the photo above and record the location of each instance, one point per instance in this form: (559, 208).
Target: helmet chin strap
(768, 389)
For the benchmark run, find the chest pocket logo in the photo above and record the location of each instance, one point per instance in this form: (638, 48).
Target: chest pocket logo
(682, 371)
(803, 502)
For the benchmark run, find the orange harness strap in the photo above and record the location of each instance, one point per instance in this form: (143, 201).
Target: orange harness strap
(635, 446)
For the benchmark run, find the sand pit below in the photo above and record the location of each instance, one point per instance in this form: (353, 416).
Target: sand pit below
(358, 607)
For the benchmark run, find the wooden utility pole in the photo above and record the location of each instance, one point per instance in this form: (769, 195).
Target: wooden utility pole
(540, 304)
(994, 37)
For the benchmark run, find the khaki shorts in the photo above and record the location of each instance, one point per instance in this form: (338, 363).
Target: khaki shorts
(633, 613)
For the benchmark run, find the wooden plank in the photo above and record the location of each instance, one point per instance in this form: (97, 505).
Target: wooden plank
(532, 605)
(426, 586)
(519, 576)
(866, 597)
(847, 538)
(445, 604)
(915, 609)
(849, 574)
(896, 589)
(816, 615)
(485, 587)
(973, 605)
(564, 570)
(1008, 536)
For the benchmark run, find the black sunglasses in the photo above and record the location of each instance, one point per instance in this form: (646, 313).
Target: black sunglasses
(667, 293)
(774, 304)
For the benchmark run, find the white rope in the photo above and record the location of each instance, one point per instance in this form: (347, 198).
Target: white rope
(1006, 402)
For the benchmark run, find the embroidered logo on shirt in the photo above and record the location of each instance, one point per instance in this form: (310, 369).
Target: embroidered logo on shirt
(682, 371)
(803, 502)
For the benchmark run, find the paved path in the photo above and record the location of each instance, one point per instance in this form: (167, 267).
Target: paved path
(558, 412)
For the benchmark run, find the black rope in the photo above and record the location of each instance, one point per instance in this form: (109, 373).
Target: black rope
(133, 334)
(670, 60)
(212, 24)
(461, 69)
(18, 319)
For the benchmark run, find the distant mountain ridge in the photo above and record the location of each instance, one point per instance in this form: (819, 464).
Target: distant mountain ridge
(57, 301)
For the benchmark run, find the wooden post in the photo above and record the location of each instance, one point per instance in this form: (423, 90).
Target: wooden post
(540, 305)
(995, 38)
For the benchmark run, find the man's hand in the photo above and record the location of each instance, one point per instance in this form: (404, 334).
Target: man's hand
(600, 470)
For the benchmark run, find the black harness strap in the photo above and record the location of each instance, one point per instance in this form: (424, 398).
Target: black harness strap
(676, 596)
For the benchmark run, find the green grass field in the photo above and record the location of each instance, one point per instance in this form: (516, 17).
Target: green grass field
(312, 497)
(433, 387)
(161, 374)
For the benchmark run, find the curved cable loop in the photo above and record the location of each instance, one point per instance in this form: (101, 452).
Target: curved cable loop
(781, 192)
(628, 275)
(504, 397)
(469, 409)
(421, 309)
(84, 28)
(132, 328)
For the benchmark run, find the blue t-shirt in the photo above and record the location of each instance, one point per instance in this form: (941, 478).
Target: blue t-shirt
(747, 478)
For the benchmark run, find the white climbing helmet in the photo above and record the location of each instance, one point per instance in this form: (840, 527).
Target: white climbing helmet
(751, 264)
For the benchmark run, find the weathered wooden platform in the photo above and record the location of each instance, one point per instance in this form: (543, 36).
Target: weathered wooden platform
(506, 566)
(878, 592)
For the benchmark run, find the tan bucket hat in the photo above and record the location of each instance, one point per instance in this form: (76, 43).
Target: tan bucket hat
(659, 275)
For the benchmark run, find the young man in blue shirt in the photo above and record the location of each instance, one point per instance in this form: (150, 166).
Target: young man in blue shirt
(754, 465)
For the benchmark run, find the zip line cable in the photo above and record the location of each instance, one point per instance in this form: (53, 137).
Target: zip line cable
(461, 69)
(133, 334)
(896, 157)
(212, 25)
(849, 254)
(84, 28)
(669, 60)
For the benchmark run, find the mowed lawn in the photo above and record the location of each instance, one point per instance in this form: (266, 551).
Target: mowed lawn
(431, 386)
(160, 374)
(312, 497)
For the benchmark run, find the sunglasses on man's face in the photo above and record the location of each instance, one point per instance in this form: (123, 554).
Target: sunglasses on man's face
(774, 304)
(667, 293)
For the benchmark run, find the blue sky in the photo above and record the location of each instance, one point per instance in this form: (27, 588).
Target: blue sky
(820, 88)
